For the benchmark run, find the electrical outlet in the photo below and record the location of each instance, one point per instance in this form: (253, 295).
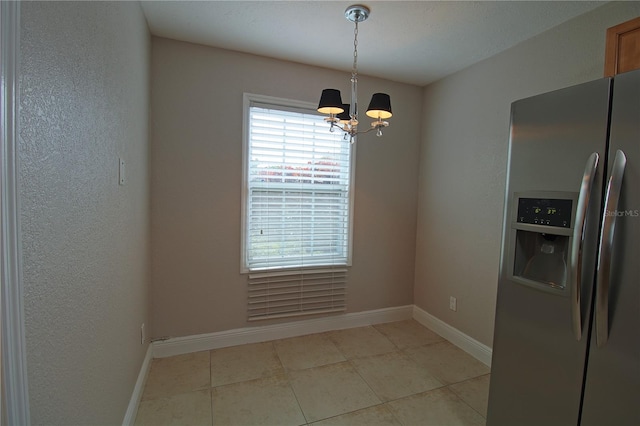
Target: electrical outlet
(143, 338)
(453, 303)
(121, 172)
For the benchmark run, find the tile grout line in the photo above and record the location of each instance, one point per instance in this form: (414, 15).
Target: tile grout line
(382, 403)
(288, 377)
(295, 395)
(460, 396)
(465, 402)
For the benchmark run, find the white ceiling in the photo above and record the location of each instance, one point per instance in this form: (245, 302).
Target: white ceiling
(414, 42)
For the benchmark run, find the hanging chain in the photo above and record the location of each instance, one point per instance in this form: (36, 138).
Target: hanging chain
(353, 110)
(354, 71)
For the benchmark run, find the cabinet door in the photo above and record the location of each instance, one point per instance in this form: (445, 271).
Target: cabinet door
(622, 52)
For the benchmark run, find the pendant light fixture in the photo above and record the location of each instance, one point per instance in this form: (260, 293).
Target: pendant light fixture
(345, 116)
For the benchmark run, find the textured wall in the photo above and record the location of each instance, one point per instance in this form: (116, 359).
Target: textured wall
(463, 161)
(84, 104)
(196, 178)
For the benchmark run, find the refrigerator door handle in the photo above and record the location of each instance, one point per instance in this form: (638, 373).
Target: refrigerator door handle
(606, 245)
(578, 241)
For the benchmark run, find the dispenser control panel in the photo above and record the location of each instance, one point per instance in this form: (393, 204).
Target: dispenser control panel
(545, 211)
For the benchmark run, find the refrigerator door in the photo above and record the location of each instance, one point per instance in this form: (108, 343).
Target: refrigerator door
(538, 360)
(612, 390)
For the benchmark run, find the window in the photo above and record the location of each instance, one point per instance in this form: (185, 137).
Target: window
(297, 197)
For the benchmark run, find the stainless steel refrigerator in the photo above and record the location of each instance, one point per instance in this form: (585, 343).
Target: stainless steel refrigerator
(567, 333)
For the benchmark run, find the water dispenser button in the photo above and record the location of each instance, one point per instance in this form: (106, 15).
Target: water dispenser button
(547, 248)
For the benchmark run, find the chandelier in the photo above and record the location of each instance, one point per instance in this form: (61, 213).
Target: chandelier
(345, 116)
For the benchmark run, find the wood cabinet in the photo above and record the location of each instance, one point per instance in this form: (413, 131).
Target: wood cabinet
(622, 50)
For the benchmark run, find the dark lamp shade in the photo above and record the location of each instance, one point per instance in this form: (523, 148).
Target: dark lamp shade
(380, 106)
(344, 115)
(330, 102)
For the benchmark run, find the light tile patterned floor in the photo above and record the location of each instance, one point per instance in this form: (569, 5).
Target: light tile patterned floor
(398, 373)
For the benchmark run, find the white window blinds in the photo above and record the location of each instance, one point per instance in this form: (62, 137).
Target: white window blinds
(285, 294)
(298, 190)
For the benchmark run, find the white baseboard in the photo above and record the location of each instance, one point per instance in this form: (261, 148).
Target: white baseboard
(241, 336)
(136, 396)
(468, 344)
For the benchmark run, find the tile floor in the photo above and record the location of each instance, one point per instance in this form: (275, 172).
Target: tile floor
(398, 373)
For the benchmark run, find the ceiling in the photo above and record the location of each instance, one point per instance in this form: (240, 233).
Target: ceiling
(414, 42)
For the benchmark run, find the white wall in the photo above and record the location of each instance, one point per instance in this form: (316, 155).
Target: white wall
(196, 177)
(84, 103)
(463, 158)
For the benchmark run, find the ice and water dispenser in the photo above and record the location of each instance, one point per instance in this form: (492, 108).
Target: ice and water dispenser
(542, 229)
